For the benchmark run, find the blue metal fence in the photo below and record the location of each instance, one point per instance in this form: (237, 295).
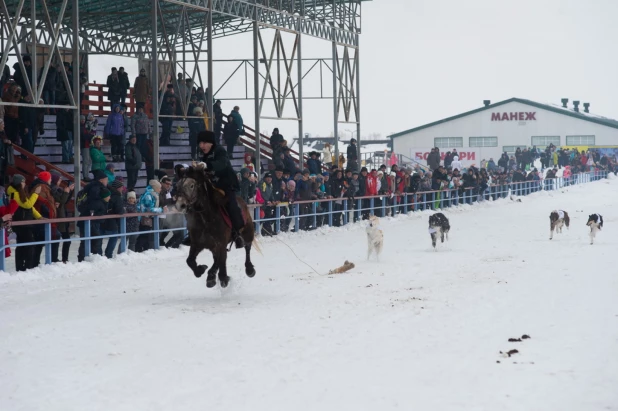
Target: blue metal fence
(308, 215)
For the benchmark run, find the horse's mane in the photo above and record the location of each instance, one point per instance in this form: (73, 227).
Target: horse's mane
(206, 186)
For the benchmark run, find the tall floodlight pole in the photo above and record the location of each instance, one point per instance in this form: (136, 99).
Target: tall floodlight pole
(76, 94)
(211, 111)
(34, 55)
(154, 72)
(256, 89)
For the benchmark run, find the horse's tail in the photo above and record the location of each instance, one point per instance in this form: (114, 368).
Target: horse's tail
(256, 245)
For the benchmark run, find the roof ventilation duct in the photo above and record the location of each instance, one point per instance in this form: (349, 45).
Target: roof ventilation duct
(576, 105)
(565, 101)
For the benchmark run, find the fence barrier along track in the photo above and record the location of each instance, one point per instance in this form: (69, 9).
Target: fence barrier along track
(308, 215)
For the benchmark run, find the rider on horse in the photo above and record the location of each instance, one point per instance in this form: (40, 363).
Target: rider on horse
(224, 178)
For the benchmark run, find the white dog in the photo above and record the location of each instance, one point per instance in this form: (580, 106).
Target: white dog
(375, 237)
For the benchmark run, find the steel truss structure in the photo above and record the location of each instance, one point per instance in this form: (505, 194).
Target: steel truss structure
(175, 36)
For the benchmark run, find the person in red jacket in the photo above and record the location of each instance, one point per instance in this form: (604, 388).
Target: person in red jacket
(6, 212)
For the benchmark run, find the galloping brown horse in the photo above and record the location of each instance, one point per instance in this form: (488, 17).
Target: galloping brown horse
(208, 225)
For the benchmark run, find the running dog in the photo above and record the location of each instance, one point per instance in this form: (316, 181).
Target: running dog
(557, 220)
(438, 226)
(595, 221)
(375, 237)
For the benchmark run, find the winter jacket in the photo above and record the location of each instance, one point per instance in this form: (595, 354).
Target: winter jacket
(456, 164)
(362, 185)
(26, 211)
(247, 190)
(352, 152)
(115, 123)
(114, 206)
(132, 157)
(4, 210)
(94, 204)
(238, 122)
(132, 222)
(141, 89)
(327, 155)
(149, 202)
(276, 141)
(314, 166)
(371, 185)
(230, 133)
(64, 124)
(98, 159)
(288, 163)
(217, 161)
(61, 197)
(114, 87)
(140, 124)
(266, 190)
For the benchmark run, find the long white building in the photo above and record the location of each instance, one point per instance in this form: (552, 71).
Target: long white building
(489, 131)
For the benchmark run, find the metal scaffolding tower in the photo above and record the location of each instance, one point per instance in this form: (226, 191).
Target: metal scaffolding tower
(180, 34)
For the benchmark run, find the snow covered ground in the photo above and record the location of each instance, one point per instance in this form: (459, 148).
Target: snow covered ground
(419, 330)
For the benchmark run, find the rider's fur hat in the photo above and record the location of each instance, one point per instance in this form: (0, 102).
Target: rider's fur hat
(206, 137)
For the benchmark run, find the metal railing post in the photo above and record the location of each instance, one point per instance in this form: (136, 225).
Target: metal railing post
(384, 199)
(359, 209)
(123, 232)
(314, 209)
(48, 246)
(371, 203)
(296, 217)
(155, 231)
(88, 244)
(330, 213)
(278, 219)
(405, 203)
(256, 219)
(345, 211)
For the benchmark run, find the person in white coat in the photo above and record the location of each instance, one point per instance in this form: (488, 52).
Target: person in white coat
(456, 164)
(327, 155)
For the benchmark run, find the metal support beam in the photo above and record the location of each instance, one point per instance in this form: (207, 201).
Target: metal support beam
(357, 106)
(335, 105)
(299, 63)
(76, 89)
(211, 86)
(256, 91)
(154, 59)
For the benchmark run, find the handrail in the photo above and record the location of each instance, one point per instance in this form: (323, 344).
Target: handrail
(40, 161)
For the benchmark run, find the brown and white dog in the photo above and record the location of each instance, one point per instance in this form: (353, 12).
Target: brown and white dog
(558, 219)
(375, 237)
(595, 221)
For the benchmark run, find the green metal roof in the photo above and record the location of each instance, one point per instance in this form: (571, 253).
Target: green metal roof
(556, 109)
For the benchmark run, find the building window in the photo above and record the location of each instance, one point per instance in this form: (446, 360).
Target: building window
(510, 150)
(448, 142)
(483, 141)
(544, 141)
(579, 140)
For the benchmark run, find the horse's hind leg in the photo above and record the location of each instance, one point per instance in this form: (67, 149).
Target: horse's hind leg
(211, 280)
(198, 270)
(249, 268)
(222, 264)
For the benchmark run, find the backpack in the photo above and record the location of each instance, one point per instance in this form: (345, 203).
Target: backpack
(81, 201)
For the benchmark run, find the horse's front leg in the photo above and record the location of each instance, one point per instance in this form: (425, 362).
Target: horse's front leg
(211, 280)
(249, 268)
(198, 270)
(221, 258)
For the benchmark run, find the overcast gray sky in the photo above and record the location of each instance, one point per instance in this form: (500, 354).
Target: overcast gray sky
(423, 60)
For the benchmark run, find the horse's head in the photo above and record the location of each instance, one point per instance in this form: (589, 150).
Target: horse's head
(189, 189)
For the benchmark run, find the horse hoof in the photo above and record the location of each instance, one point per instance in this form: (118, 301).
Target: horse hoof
(250, 272)
(200, 270)
(224, 282)
(211, 282)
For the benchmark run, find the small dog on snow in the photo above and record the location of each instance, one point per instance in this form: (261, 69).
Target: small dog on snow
(375, 237)
(438, 226)
(557, 220)
(595, 221)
